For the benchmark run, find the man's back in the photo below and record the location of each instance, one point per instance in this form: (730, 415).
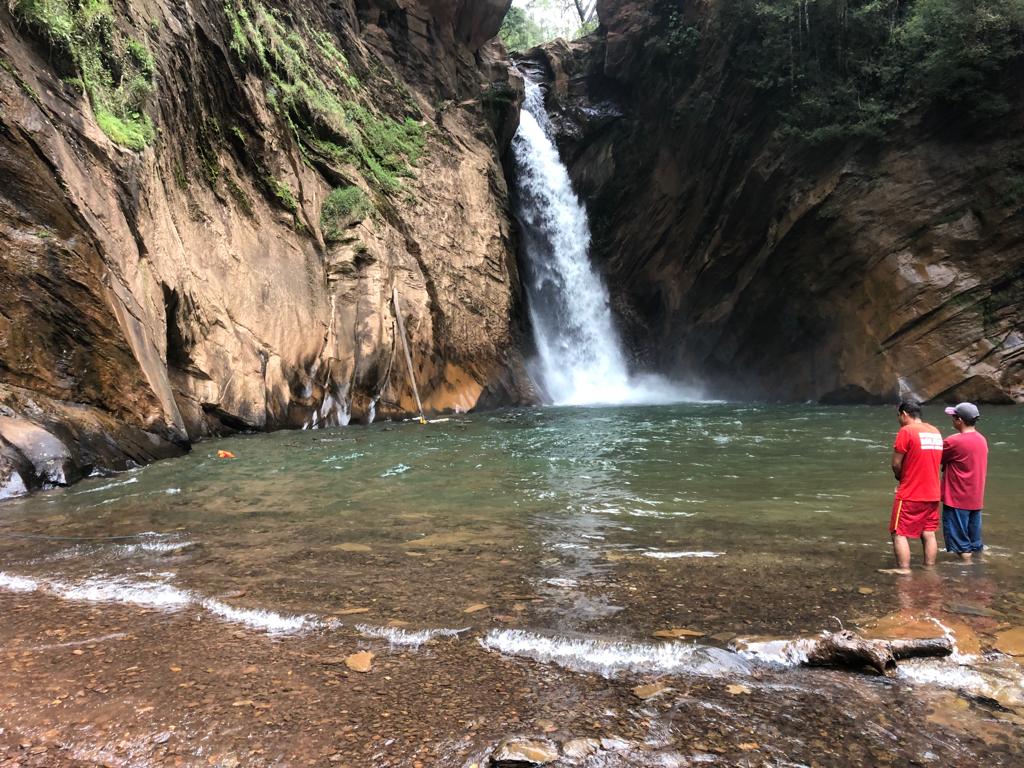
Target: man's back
(965, 459)
(921, 445)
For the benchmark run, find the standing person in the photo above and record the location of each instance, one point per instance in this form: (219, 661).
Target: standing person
(916, 457)
(964, 465)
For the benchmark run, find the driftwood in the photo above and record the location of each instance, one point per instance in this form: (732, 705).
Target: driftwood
(851, 651)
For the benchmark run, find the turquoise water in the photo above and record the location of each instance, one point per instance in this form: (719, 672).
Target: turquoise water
(431, 517)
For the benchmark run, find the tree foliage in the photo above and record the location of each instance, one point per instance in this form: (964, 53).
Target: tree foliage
(533, 22)
(519, 31)
(843, 68)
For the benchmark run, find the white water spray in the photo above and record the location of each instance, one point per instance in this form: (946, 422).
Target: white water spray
(579, 354)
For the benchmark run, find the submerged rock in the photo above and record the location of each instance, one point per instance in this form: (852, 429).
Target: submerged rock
(577, 749)
(519, 753)
(1011, 642)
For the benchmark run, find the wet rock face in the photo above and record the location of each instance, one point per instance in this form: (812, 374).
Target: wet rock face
(193, 287)
(848, 273)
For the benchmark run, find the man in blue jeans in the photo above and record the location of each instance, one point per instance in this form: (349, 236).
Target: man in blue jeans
(964, 465)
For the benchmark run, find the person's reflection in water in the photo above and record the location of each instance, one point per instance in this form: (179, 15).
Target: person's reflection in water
(922, 594)
(952, 601)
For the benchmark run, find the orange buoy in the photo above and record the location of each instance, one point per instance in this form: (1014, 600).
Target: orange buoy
(225, 455)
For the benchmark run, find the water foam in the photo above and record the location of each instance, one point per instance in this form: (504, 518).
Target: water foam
(161, 595)
(397, 636)
(99, 589)
(153, 548)
(675, 555)
(775, 653)
(11, 583)
(108, 486)
(609, 658)
(270, 622)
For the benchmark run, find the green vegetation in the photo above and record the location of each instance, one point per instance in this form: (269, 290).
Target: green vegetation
(53, 19)
(529, 23)
(851, 68)
(311, 85)
(960, 49)
(28, 89)
(343, 208)
(385, 148)
(241, 198)
(283, 194)
(520, 32)
(116, 71)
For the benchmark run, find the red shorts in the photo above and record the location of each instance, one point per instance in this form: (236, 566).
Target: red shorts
(912, 518)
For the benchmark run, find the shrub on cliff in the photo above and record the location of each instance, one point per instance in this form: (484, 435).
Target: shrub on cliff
(342, 208)
(115, 70)
(311, 86)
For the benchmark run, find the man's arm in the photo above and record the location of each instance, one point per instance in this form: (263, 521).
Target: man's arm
(897, 464)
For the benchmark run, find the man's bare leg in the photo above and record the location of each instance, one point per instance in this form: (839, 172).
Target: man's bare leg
(901, 548)
(931, 547)
(966, 557)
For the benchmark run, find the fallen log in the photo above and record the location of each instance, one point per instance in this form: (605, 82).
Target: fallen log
(846, 650)
(849, 650)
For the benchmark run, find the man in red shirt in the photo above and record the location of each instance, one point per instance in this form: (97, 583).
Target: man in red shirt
(964, 464)
(916, 457)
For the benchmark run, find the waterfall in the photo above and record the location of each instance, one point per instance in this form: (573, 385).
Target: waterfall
(580, 359)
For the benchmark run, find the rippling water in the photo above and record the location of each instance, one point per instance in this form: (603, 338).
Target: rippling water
(557, 500)
(576, 532)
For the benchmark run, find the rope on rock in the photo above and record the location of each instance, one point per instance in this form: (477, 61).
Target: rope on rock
(408, 354)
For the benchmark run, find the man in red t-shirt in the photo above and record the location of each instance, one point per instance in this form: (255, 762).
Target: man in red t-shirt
(916, 457)
(964, 464)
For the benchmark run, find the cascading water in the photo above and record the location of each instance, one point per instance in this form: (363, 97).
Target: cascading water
(579, 354)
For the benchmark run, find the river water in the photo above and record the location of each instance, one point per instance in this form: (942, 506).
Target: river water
(508, 570)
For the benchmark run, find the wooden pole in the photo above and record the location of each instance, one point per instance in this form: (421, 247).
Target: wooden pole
(408, 354)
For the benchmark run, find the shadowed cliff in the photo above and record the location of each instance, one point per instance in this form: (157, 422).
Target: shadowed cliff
(789, 204)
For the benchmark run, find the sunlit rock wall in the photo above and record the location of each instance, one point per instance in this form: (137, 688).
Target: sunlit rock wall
(151, 297)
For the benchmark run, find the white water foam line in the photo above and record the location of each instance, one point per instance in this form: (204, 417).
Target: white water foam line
(397, 636)
(108, 486)
(999, 678)
(149, 544)
(160, 595)
(775, 653)
(610, 658)
(97, 589)
(269, 621)
(12, 583)
(675, 555)
(153, 547)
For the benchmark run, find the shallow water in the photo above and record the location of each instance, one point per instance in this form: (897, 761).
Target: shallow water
(561, 538)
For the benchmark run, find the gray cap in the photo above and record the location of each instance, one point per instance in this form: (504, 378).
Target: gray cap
(966, 411)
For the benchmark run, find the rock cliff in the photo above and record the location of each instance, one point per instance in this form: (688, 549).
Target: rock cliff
(850, 270)
(206, 207)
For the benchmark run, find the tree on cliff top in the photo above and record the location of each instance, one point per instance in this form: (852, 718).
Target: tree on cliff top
(533, 22)
(843, 68)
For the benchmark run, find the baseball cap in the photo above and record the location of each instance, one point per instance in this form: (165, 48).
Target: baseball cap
(966, 411)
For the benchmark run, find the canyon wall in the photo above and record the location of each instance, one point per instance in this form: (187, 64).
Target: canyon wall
(206, 208)
(852, 269)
